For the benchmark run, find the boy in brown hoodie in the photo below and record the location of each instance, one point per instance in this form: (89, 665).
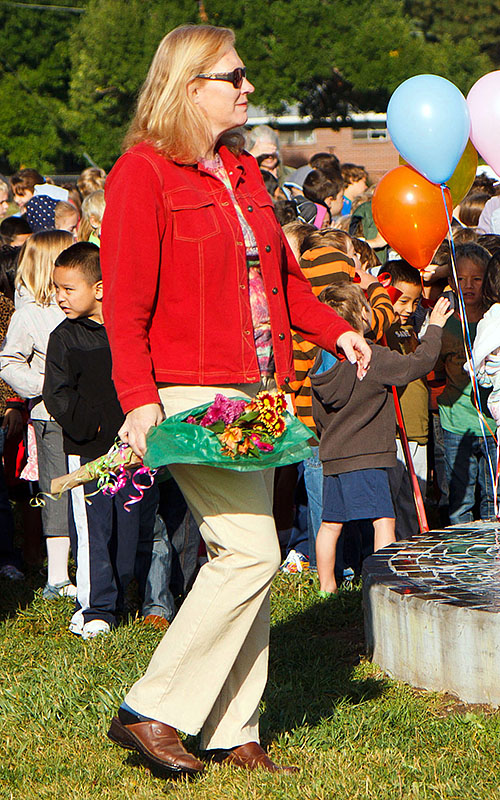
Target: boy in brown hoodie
(357, 426)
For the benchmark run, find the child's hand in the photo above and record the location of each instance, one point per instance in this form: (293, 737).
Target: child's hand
(434, 272)
(441, 312)
(365, 279)
(427, 274)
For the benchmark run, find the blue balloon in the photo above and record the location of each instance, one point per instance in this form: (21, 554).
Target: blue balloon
(429, 124)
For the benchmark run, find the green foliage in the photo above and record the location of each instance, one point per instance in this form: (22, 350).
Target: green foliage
(329, 54)
(479, 22)
(34, 83)
(111, 50)
(68, 82)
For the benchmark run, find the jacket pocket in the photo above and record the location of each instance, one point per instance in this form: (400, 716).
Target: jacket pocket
(194, 215)
(262, 198)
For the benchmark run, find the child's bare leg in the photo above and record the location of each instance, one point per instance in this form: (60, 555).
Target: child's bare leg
(384, 532)
(326, 546)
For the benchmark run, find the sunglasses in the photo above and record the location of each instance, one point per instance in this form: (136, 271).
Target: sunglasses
(235, 77)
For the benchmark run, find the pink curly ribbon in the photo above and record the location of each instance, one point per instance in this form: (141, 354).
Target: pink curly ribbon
(116, 481)
(150, 473)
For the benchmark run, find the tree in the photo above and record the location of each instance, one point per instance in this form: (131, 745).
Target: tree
(111, 50)
(300, 50)
(34, 83)
(479, 22)
(68, 82)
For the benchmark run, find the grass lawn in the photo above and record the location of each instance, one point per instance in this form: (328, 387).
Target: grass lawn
(355, 733)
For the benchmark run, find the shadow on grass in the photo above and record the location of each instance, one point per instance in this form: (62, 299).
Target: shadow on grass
(312, 657)
(314, 649)
(137, 760)
(18, 594)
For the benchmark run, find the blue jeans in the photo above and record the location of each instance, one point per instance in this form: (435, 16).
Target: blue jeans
(154, 581)
(466, 466)
(313, 478)
(299, 537)
(171, 557)
(183, 535)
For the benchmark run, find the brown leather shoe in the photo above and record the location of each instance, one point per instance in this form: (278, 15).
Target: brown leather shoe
(159, 743)
(252, 756)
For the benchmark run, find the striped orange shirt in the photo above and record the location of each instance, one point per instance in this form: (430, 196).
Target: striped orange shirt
(323, 266)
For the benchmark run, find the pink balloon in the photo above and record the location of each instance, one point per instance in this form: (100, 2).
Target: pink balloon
(484, 108)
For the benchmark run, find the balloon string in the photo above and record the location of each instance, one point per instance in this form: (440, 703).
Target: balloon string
(494, 474)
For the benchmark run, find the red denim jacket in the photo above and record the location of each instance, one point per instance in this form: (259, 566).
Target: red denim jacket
(176, 302)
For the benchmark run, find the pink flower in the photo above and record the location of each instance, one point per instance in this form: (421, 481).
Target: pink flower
(266, 447)
(223, 409)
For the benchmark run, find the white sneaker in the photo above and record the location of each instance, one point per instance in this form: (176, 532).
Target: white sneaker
(294, 563)
(76, 623)
(69, 590)
(94, 628)
(63, 589)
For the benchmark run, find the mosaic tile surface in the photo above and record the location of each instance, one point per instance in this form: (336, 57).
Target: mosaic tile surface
(458, 566)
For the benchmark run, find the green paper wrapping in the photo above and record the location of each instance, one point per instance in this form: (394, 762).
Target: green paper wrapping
(179, 442)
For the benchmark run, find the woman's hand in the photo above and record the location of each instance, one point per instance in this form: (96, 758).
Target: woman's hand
(137, 424)
(355, 349)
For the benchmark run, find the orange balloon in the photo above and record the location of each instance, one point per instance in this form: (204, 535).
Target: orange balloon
(409, 212)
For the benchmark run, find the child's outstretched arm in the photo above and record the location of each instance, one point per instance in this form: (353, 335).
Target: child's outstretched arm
(396, 369)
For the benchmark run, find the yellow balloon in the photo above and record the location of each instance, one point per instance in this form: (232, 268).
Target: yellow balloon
(463, 177)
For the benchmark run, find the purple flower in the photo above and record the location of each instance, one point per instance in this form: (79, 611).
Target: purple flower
(223, 409)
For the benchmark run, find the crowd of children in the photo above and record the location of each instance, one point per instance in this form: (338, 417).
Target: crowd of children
(357, 491)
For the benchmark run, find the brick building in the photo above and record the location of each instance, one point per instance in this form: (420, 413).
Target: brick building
(364, 140)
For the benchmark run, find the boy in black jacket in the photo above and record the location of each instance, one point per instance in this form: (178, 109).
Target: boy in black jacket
(80, 395)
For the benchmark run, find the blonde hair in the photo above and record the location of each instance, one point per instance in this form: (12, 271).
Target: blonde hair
(62, 210)
(328, 237)
(36, 263)
(297, 232)
(91, 180)
(165, 116)
(93, 206)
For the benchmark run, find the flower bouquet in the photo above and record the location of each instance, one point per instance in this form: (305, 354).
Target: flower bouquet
(231, 433)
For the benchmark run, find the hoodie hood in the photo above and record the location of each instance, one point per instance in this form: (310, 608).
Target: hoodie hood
(334, 386)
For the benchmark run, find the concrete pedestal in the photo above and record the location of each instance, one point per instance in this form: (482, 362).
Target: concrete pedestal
(432, 611)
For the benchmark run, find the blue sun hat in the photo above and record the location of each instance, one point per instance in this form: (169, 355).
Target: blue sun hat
(40, 213)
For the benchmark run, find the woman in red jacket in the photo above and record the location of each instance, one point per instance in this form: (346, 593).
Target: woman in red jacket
(200, 291)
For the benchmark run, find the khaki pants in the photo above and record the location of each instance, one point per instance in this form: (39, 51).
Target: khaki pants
(210, 669)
